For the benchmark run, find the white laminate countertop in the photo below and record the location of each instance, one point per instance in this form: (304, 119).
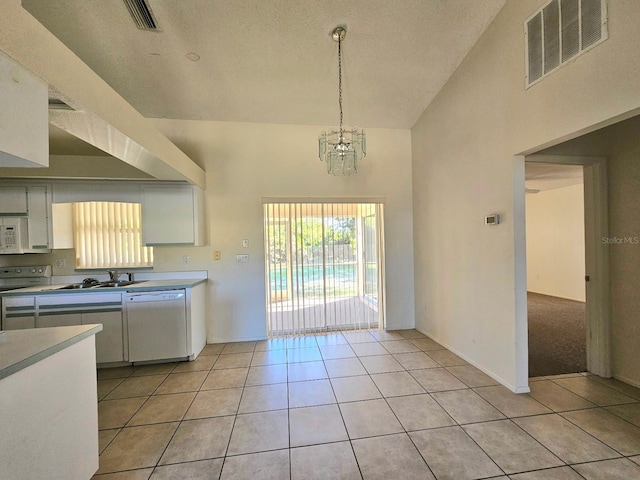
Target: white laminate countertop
(143, 286)
(22, 348)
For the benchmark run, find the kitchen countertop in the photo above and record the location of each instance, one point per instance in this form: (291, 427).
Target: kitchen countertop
(22, 348)
(142, 286)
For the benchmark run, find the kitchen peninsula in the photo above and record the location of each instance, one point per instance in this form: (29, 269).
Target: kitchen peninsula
(48, 397)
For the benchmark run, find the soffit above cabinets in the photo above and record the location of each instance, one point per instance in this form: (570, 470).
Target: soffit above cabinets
(23, 117)
(98, 114)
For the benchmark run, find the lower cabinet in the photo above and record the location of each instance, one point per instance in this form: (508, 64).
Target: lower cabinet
(137, 326)
(55, 310)
(18, 313)
(58, 319)
(19, 322)
(110, 341)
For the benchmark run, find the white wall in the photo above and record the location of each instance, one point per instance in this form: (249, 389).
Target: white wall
(470, 281)
(624, 251)
(555, 242)
(245, 162)
(621, 145)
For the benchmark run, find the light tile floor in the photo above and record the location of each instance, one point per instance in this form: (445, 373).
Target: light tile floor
(372, 405)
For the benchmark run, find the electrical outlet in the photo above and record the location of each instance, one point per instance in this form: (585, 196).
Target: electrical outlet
(186, 259)
(216, 255)
(245, 243)
(242, 258)
(61, 263)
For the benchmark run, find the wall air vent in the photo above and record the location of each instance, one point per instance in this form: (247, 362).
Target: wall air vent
(142, 15)
(561, 31)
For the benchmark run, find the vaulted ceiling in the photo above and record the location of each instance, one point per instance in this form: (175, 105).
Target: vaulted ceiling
(273, 61)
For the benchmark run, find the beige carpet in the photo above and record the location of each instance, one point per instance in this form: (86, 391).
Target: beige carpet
(557, 335)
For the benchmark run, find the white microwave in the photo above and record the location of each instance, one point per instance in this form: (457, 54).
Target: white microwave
(13, 235)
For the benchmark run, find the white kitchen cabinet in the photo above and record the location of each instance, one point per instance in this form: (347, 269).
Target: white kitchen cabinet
(62, 225)
(172, 215)
(58, 319)
(39, 206)
(110, 341)
(18, 313)
(19, 322)
(13, 200)
(31, 204)
(84, 309)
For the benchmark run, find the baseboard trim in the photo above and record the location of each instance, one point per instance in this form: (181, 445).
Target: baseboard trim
(625, 379)
(497, 378)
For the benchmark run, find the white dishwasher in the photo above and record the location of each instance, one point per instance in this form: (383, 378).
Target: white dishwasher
(157, 325)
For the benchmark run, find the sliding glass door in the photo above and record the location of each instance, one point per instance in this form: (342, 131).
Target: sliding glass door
(324, 264)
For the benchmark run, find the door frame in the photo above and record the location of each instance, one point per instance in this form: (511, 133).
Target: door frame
(596, 225)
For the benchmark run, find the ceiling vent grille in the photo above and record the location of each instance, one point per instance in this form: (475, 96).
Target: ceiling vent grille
(560, 31)
(142, 15)
(57, 104)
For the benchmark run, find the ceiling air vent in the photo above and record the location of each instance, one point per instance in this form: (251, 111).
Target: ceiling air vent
(142, 15)
(560, 31)
(57, 104)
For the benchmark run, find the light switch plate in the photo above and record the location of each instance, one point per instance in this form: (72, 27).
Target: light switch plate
(245, 243)
(242, 258)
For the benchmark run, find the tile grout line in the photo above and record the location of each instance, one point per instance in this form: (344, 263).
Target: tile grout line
(383, 397)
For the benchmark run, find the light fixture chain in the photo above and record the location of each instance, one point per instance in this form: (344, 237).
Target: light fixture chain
(341, 149)
(340, 81)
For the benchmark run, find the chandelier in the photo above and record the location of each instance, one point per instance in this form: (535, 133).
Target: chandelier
(341, 149)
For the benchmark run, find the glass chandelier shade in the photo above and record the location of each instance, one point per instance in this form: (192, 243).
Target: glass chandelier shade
(342, 149)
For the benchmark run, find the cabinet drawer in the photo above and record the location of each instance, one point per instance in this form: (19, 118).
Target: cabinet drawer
(80, 300)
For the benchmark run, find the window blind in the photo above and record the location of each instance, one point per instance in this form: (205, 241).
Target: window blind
(324, 267)
(109, 235)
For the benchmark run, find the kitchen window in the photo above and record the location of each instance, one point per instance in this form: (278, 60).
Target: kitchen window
(109, 235)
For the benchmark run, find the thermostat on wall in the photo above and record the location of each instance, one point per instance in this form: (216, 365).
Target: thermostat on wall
(492, 219)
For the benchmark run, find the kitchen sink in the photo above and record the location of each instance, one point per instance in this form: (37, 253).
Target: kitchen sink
(108, 284)
(76, 286)
(123, 283)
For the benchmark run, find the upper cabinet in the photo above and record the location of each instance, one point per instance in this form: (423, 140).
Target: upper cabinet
(39, 218)
(29, 208)
(24, 117)
(172, 215)
(13, 201)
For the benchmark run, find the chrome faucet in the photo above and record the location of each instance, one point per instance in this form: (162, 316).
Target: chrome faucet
(113, 275)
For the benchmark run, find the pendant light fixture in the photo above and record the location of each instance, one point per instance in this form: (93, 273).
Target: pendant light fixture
(342, 149)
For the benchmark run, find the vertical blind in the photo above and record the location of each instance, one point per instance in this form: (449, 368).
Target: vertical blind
(324, 266)
(109, 234)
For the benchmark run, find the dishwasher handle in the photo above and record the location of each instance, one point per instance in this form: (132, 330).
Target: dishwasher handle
(163, 296)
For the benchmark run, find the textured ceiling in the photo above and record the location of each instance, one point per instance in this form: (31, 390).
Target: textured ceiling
(273, 61)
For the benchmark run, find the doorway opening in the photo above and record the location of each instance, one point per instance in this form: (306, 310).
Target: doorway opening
(324, 265)
(556, 297)
(596, 256)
